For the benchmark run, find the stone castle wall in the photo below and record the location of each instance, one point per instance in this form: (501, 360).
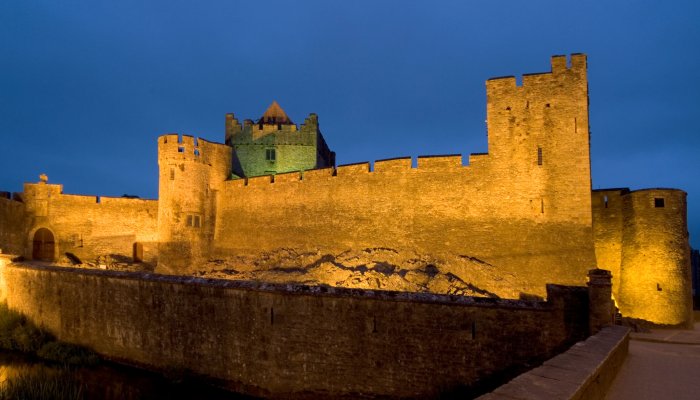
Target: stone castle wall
(86, 226)
(296, 340)
(12, 215)
(440, 208)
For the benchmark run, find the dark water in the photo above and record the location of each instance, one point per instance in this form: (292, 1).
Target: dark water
(111, 381)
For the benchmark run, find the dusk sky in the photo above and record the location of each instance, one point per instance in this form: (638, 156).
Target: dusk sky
(86, 87)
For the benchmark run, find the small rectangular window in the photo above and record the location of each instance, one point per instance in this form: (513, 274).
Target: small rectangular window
(270, 155)
(659, 202)
(194, 221)
(539, 156)
(180, 149)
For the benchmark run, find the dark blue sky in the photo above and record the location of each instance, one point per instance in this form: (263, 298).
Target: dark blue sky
(86, 87)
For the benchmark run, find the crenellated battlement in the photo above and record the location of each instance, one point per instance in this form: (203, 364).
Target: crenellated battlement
(272, 134)
(394, 166)
(561, 66)
(176, 147)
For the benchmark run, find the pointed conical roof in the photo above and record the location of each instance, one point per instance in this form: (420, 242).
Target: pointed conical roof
(275, 115)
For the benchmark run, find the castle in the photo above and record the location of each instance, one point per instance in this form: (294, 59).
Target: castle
(526, 208)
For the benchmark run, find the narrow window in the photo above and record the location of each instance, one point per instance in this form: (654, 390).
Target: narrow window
(270, 155)
(196, 152)
(539, 156)
(98, 200)
(138, 252)
(542, 206)
(172, 174)
(473, 330)
(658, 287)
(189, 220)
(659, 202)
(279, 127)
(197, 221)
(605, 201)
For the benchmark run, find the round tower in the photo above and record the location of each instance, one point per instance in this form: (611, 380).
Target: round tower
(655, 262)
(191, 171)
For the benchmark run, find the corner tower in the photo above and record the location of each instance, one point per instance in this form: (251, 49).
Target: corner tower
(274, 144)
(191, 172)
(655, 280)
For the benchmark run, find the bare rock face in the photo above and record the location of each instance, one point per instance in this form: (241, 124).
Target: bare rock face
(371, 268)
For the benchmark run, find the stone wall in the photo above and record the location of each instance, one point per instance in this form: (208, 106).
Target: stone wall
(607, 232)
(89, 226)
(439, 209)
(296, 340)
(584, 372)
(12, 239)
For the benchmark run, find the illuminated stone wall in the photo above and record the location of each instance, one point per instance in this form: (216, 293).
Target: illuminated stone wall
(440, 211)
(12, 239)
(282, 340)
(643, 235)
(90, 226)
(607, 228)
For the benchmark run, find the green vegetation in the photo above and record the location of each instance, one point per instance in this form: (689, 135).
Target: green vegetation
(19, 334)
(42, 384)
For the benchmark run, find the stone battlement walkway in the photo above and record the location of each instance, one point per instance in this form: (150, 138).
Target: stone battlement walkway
(662, 364)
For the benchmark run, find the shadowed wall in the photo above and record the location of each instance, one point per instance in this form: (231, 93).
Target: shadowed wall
(298, 340)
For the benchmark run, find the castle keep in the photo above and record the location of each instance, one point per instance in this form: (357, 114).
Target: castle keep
(275, 145)
(523, 214)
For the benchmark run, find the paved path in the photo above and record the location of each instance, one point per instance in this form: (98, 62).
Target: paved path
(662, 364)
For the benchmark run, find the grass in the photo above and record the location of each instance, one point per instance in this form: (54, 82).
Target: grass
(17, 333)
(42, 384)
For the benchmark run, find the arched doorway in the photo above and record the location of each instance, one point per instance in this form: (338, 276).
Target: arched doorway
(43, 245)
